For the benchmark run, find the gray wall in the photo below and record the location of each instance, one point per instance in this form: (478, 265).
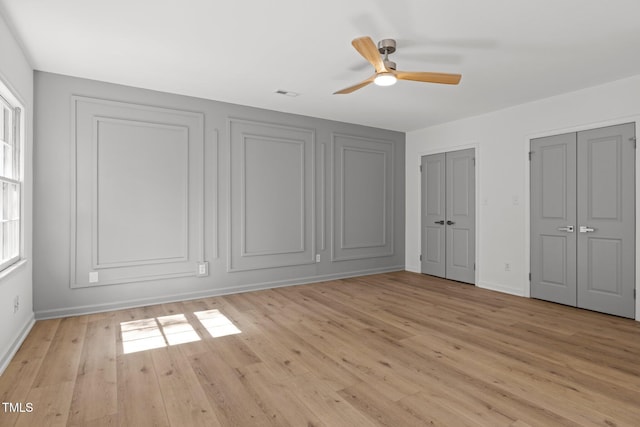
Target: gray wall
(17, 75)
(134, 189)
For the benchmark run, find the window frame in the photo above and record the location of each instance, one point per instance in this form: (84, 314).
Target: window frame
(16, 142)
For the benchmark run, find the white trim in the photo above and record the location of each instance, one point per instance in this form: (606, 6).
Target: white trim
(9, 269)
(527, 193)
(19, 136)
(476, 146)
(414, 268)
(501, 288)
(12, 95)
(6, 358)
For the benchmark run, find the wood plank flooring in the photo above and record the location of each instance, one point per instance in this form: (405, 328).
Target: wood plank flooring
(397, 349)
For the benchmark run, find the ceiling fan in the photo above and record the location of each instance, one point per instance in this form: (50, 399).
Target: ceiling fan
(386, 73)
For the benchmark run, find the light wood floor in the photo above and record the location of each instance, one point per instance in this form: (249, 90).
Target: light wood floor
(398, 349)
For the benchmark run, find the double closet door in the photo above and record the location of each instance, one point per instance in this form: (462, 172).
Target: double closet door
(583, 219)
(448, 215)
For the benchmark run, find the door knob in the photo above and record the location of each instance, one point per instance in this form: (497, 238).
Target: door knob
(568, 229)
(585, 229)
(441, 222)
(450, 222)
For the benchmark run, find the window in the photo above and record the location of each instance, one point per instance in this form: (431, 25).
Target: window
(10, 183)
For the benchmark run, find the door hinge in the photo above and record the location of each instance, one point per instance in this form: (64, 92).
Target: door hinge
(634, 294)
(633, 139)
(474, 266)
(474, 161)
(529, 276)
(420, 257)
(420, 168)
(530, 154)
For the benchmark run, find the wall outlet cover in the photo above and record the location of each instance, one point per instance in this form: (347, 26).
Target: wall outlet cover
(93, 277)
(203, 269)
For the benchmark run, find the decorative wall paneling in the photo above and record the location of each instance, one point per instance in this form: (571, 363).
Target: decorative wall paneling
(272, 191)
(363, 198)
(323, 196)
(138, 192)
(157, 183)
(215, 193)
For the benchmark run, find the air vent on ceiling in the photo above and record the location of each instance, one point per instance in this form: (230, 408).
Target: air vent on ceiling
(287, 93)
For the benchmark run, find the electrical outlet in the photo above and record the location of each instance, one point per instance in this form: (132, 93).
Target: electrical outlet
(93, 277)
(203, 269)
(16, 304)
(317, 257)
(507, 266)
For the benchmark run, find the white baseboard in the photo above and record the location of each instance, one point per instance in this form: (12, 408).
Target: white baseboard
(413, 268)
(501, 288)
(6, 356)
(98, 308)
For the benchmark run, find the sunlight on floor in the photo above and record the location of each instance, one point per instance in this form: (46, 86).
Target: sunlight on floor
(177, 329)
(139, 335)
(158, 332)
(216, 323)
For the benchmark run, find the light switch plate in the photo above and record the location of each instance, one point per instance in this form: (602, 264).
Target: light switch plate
(93, 277)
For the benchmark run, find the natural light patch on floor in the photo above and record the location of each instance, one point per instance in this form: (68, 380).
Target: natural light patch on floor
(216, 323)
(177, 329)
(147, 334)
(158, 332)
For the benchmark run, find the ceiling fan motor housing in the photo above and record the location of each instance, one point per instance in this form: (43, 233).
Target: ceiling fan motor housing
(387, 46)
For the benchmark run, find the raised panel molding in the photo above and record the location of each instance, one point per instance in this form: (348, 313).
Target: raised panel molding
(605, 189)
(108, 253)
(553, 157)
(553, 250)
(372, 202)
(215, 196)
(323, 197)
(135, 169)
(606, 279)
(270, 179)
(272, 195)
(433, 244)
(362, 198)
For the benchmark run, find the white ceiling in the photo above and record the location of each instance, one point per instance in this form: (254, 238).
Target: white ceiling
(508, 51)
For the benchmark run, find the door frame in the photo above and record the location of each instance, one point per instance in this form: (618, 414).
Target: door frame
(527, 193)
(440, 150)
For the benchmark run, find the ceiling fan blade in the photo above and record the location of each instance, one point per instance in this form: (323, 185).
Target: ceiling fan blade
(367, 48)
(444, 78)
(355, 87)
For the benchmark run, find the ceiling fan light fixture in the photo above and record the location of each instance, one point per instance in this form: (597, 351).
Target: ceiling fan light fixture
(385, 79)
(386, 72)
